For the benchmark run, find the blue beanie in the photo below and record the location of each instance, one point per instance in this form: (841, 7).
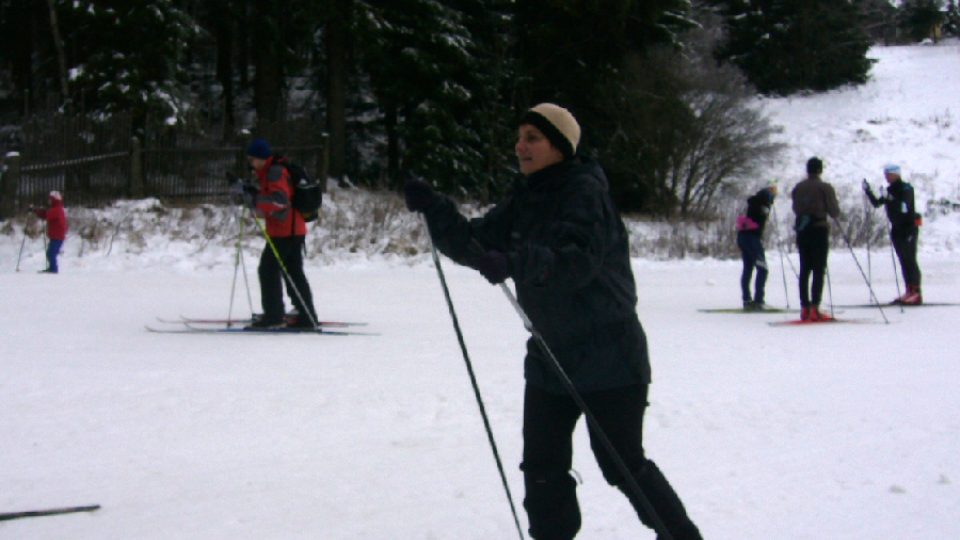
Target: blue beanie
(892, 168)
(259, 148)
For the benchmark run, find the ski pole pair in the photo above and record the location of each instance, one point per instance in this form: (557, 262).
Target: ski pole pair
(554, 365)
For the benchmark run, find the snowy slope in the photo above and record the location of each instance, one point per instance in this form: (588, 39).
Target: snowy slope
(840, 432)
(908, 113)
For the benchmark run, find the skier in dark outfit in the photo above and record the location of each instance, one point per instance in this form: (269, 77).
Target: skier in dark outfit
(562, 241)
(750, 241)
(904, 231)
(813, 202)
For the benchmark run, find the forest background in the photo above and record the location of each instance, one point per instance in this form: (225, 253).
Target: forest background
(665, 89)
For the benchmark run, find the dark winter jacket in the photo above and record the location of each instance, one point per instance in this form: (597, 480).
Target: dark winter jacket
(274, 201)
(56, 219)
(899, 205)
(568, 256)
(758, 209)
(813, 202)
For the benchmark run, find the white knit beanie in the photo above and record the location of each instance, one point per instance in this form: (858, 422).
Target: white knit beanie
(557, 124)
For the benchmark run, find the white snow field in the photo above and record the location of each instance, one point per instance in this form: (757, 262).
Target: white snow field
(842, 431)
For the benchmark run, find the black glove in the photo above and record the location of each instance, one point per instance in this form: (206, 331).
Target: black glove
(243, 193)
(866, 188)
(418, 195)
(495, 266)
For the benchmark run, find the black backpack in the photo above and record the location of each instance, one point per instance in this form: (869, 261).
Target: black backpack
(307, 192)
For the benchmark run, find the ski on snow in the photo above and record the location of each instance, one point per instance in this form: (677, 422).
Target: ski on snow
(744, 311)
(799, 322)
(6, 516)
(230, 322)
(188, 328)
(898, 304)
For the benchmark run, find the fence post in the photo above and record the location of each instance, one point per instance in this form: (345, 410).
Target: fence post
(136, 169)
(8, 185)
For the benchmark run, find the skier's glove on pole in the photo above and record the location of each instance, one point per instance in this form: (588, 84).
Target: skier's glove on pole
(418, 195)
(495, 266)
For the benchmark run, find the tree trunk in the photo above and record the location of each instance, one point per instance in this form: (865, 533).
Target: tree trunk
(224, 30)
(393, 144)
(268, 79)
(61, 57)
(337, 45)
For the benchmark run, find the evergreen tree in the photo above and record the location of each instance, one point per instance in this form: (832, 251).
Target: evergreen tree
(127, 56)
(918, 18)
(570, 50)
(422, 62)
(785, 46)
(951, 25)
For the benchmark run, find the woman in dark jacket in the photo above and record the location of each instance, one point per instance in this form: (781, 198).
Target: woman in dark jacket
(559, 237)
(904, 229)
(750, 241)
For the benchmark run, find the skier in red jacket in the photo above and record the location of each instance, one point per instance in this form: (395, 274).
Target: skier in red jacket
(287, 232)
(56, 229)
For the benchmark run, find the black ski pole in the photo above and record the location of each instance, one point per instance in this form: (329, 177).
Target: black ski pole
(783, 270)
(846, 240)
(236, 265)
(896, 275)
(826, 271)
(473, 382)
(555, 366)
(7, 516)
(22, 242)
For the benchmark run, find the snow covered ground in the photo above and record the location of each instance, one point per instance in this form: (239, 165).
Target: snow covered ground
(846, 431)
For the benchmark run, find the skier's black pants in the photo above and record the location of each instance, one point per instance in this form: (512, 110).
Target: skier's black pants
(548, 425)
(751, 251)
(272, 278)
(905, 245)
(814, 245)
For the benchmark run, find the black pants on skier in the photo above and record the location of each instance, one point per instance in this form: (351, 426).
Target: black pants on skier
(905, 245)
(551, 499)
(814, 246)
(272, 278)
(753, 255)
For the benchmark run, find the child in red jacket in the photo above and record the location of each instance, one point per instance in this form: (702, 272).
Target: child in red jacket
(56, 229)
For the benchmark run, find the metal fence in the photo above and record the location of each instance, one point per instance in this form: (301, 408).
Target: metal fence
(94, 164)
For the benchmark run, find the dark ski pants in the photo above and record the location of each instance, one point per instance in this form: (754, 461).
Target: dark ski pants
(905, 245)
(551, 499)
(753, 255)
(272, 278)
(814, 246)
(53, 251)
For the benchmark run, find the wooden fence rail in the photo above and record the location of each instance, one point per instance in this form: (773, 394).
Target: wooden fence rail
(178, 175)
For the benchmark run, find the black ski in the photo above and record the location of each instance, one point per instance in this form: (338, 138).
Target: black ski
(898, 304)
(745, 310)
(799, 322)
(246, 321)
(6, 516)
(187, 328)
